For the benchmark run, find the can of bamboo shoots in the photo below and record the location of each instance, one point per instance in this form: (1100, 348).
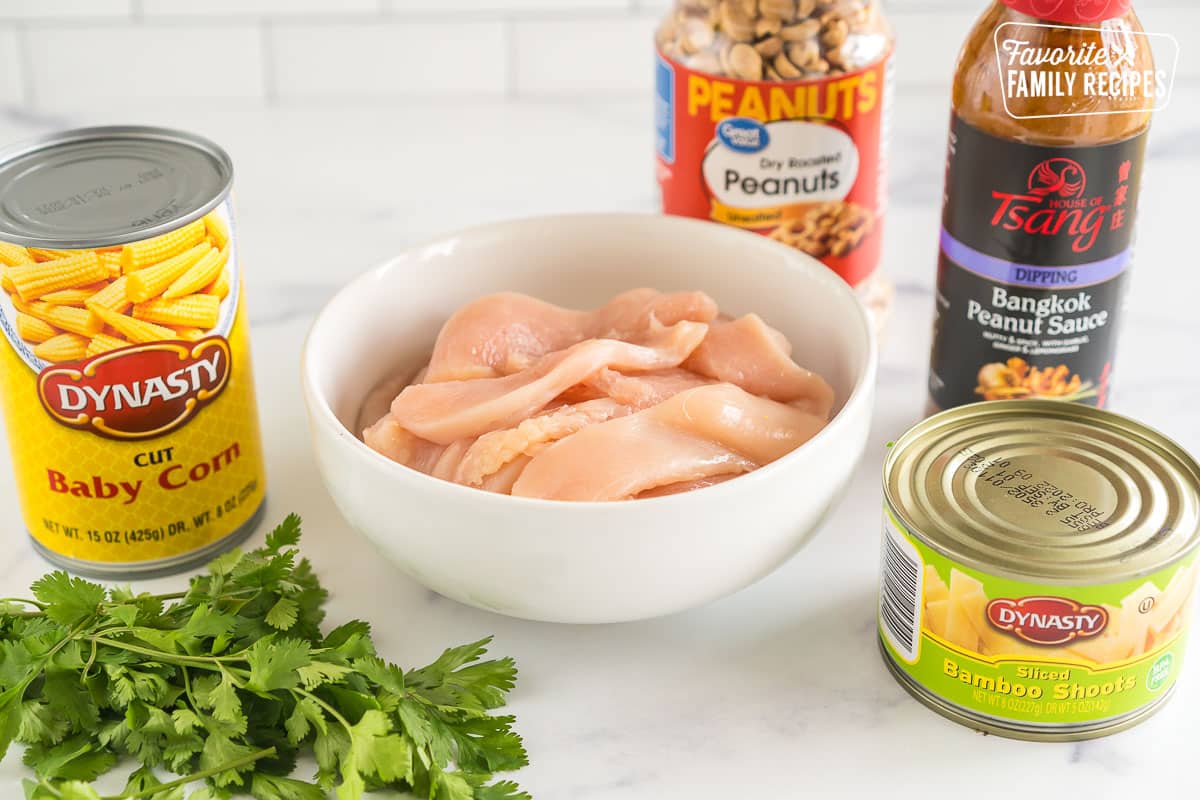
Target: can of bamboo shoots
(125, 375)
(1040, 563)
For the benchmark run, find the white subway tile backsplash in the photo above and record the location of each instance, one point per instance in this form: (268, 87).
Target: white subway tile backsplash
(12, 88)
(64, 9)
(329, 50)
(607, 56)
(382, 60)
(260, 8)
(424, 7)
(89, 66)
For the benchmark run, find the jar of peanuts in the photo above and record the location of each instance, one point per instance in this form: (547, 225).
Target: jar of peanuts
(772, 116)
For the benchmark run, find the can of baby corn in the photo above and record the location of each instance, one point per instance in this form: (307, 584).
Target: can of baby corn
(125, 375)
(1039, 567)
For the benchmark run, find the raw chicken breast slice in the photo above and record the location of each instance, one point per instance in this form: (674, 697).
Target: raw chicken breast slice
(389, 438)
(448, 411)
(756, 357)
(706, 432)
(504, 333)
(493, 451)
(646, 389)
(683, 488)
(502, 480)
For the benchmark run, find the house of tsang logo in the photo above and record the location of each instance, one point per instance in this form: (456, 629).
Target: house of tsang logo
(137, 392)
(1055, 203)
(1046, 620)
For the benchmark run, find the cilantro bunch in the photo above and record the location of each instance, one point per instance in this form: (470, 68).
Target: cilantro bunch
(230, 682)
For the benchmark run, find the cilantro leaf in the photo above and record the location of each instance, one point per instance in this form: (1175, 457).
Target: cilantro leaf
(274, 664)
(77, 758)
(286, 534)
(270, 787)
(322, 672)
(283, 614)
(219, 751)
(68, 600)
(501, 790)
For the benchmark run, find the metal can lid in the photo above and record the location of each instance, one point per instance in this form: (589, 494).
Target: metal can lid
(1040, 490)
(98, 187)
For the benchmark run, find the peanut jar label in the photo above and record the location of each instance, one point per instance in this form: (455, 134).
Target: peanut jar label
(126, 385)
(1031, 653)
(800, 161)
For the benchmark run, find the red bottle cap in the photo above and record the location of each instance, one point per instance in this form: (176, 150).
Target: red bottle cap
(1071, 12)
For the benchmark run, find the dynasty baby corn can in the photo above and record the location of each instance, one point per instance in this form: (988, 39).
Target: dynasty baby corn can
(125, 377)
(1038, 567)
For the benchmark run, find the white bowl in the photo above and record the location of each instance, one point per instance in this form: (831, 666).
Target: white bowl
(585, 562)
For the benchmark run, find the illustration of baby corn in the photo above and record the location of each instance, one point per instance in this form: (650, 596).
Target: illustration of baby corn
(75, 304)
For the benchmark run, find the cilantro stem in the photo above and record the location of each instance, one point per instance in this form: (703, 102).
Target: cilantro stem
(236, 763)
(209, 662)
(49, 787)
(332, 711)
(23, 602)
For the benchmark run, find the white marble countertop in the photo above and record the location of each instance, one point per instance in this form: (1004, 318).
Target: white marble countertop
(778, 691)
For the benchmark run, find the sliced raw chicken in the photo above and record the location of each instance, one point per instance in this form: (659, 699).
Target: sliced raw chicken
(683, 488)
(501, 481)
(504, 333)
(448, 411)
(491, 452)
(646, 389)
(707, 432)
(379, 399)
(389, 438)
(756, 357)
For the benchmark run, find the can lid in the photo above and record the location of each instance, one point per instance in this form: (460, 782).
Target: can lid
(1040, 490)
(1073, 12)
(97, 187)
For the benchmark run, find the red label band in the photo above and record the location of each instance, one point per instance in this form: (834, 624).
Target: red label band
(799, 161)
(1072, 12)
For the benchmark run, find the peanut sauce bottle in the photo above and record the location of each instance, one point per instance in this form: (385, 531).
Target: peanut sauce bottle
(1051, 107)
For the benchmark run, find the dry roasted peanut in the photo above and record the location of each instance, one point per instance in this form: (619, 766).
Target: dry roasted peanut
(770, 47)
(745, 63)
(786, 69)
(835, 33)
(793, 39)
(736, 24)
(767, 26)
(695, 35)
(804, 54)
(801, 31)
(780, 9)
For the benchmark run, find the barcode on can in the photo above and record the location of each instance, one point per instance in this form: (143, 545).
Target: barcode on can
(900, 593)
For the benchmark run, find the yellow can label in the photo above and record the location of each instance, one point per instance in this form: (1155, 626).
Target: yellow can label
(127, 389)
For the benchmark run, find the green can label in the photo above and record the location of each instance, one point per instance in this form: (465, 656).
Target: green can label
(1030, 653)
